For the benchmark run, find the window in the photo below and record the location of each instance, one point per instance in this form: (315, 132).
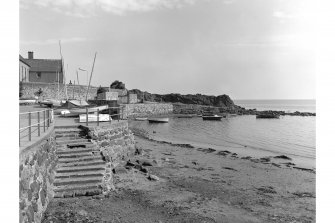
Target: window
(38, 74)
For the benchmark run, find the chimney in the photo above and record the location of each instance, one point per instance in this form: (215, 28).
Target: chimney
(30, 55)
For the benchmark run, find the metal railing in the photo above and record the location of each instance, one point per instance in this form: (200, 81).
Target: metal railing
(37, 121)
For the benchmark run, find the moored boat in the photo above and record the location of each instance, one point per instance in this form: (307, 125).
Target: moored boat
(267, 116)
(158, 120)
(212, 117)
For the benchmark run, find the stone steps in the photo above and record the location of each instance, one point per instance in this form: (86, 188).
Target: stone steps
(84, 158)
(80, 169)
(73, 150)
(86, 144)
(77, 181)
(80, 174)
(82, 163)
(74, 155)
(73, 141)
(86, 190)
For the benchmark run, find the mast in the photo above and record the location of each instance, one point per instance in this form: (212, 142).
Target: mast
(60, 50)
(77, 78)
(88, 87)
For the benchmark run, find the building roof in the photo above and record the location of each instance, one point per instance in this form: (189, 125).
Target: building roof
(23, 60)
(45, 65)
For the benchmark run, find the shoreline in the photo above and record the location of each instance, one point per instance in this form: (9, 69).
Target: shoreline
(272, 157)
(179, 183)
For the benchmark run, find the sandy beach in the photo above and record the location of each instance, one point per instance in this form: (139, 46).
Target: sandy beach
(196, 185)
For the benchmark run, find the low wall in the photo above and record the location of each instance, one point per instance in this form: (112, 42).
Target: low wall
(116, 143)
(138, 110)
(37, 171)
(51, 91)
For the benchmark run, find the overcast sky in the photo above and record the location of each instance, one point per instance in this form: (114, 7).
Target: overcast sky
(248, 49)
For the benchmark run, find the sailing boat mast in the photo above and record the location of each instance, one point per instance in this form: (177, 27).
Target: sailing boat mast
(60, 50)
(88, 87)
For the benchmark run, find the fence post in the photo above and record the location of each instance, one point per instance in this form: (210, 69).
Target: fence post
(86, 116)
(29, 124)
(118, 117)
(109, 114)
(98, 116)
(48, 118)
(38, 123)
(44, 120)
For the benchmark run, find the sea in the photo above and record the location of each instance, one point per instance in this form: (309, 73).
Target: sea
(293, 136)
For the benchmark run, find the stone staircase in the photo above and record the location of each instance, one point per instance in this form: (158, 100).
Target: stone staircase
(80, 169)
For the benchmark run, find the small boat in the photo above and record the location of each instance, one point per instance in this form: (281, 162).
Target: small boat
(141, 119)
(94, 118)
(77, 112)
(158, 120)
(267, 116)
(212, 117)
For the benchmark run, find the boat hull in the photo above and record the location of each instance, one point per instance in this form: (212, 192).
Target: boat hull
(141, 119)
(77, 112)
(158, 120)
(212, 118)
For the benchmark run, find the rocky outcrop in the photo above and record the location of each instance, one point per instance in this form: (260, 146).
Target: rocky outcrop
(199, 99)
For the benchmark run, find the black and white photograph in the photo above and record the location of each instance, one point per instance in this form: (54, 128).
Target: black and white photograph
(158, 111)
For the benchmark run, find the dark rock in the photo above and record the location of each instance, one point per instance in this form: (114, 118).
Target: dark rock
(275, 164)
(234, 154)
(282, 157)
(221, 153)
(143, 169)
(195, 163)
(265, 159)
(138, 151)
(246, 157)
(229, 168)
(267, 189)
(304, 169)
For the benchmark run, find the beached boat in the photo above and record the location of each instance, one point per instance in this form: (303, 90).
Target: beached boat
(76, 112)
(94, 118)
(212, 117)
(158, 120)
(267, 116)
(141, 119)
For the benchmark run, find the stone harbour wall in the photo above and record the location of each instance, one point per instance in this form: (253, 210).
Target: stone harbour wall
(36, 172)
(138, 110)
(51, 91)
(116, 144)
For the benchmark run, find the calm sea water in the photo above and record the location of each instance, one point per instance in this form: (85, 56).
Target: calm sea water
(279, 105)
(290, 135)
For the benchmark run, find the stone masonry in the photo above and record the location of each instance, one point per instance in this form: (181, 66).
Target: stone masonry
(37, 171)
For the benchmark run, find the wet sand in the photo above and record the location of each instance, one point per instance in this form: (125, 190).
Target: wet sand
(197, 185)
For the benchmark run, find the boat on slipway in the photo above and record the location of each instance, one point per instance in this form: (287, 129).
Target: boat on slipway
(158, 120)
(212, 117)
(141, 119)
(75, 112)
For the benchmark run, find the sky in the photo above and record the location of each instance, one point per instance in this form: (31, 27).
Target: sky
(248, 49)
